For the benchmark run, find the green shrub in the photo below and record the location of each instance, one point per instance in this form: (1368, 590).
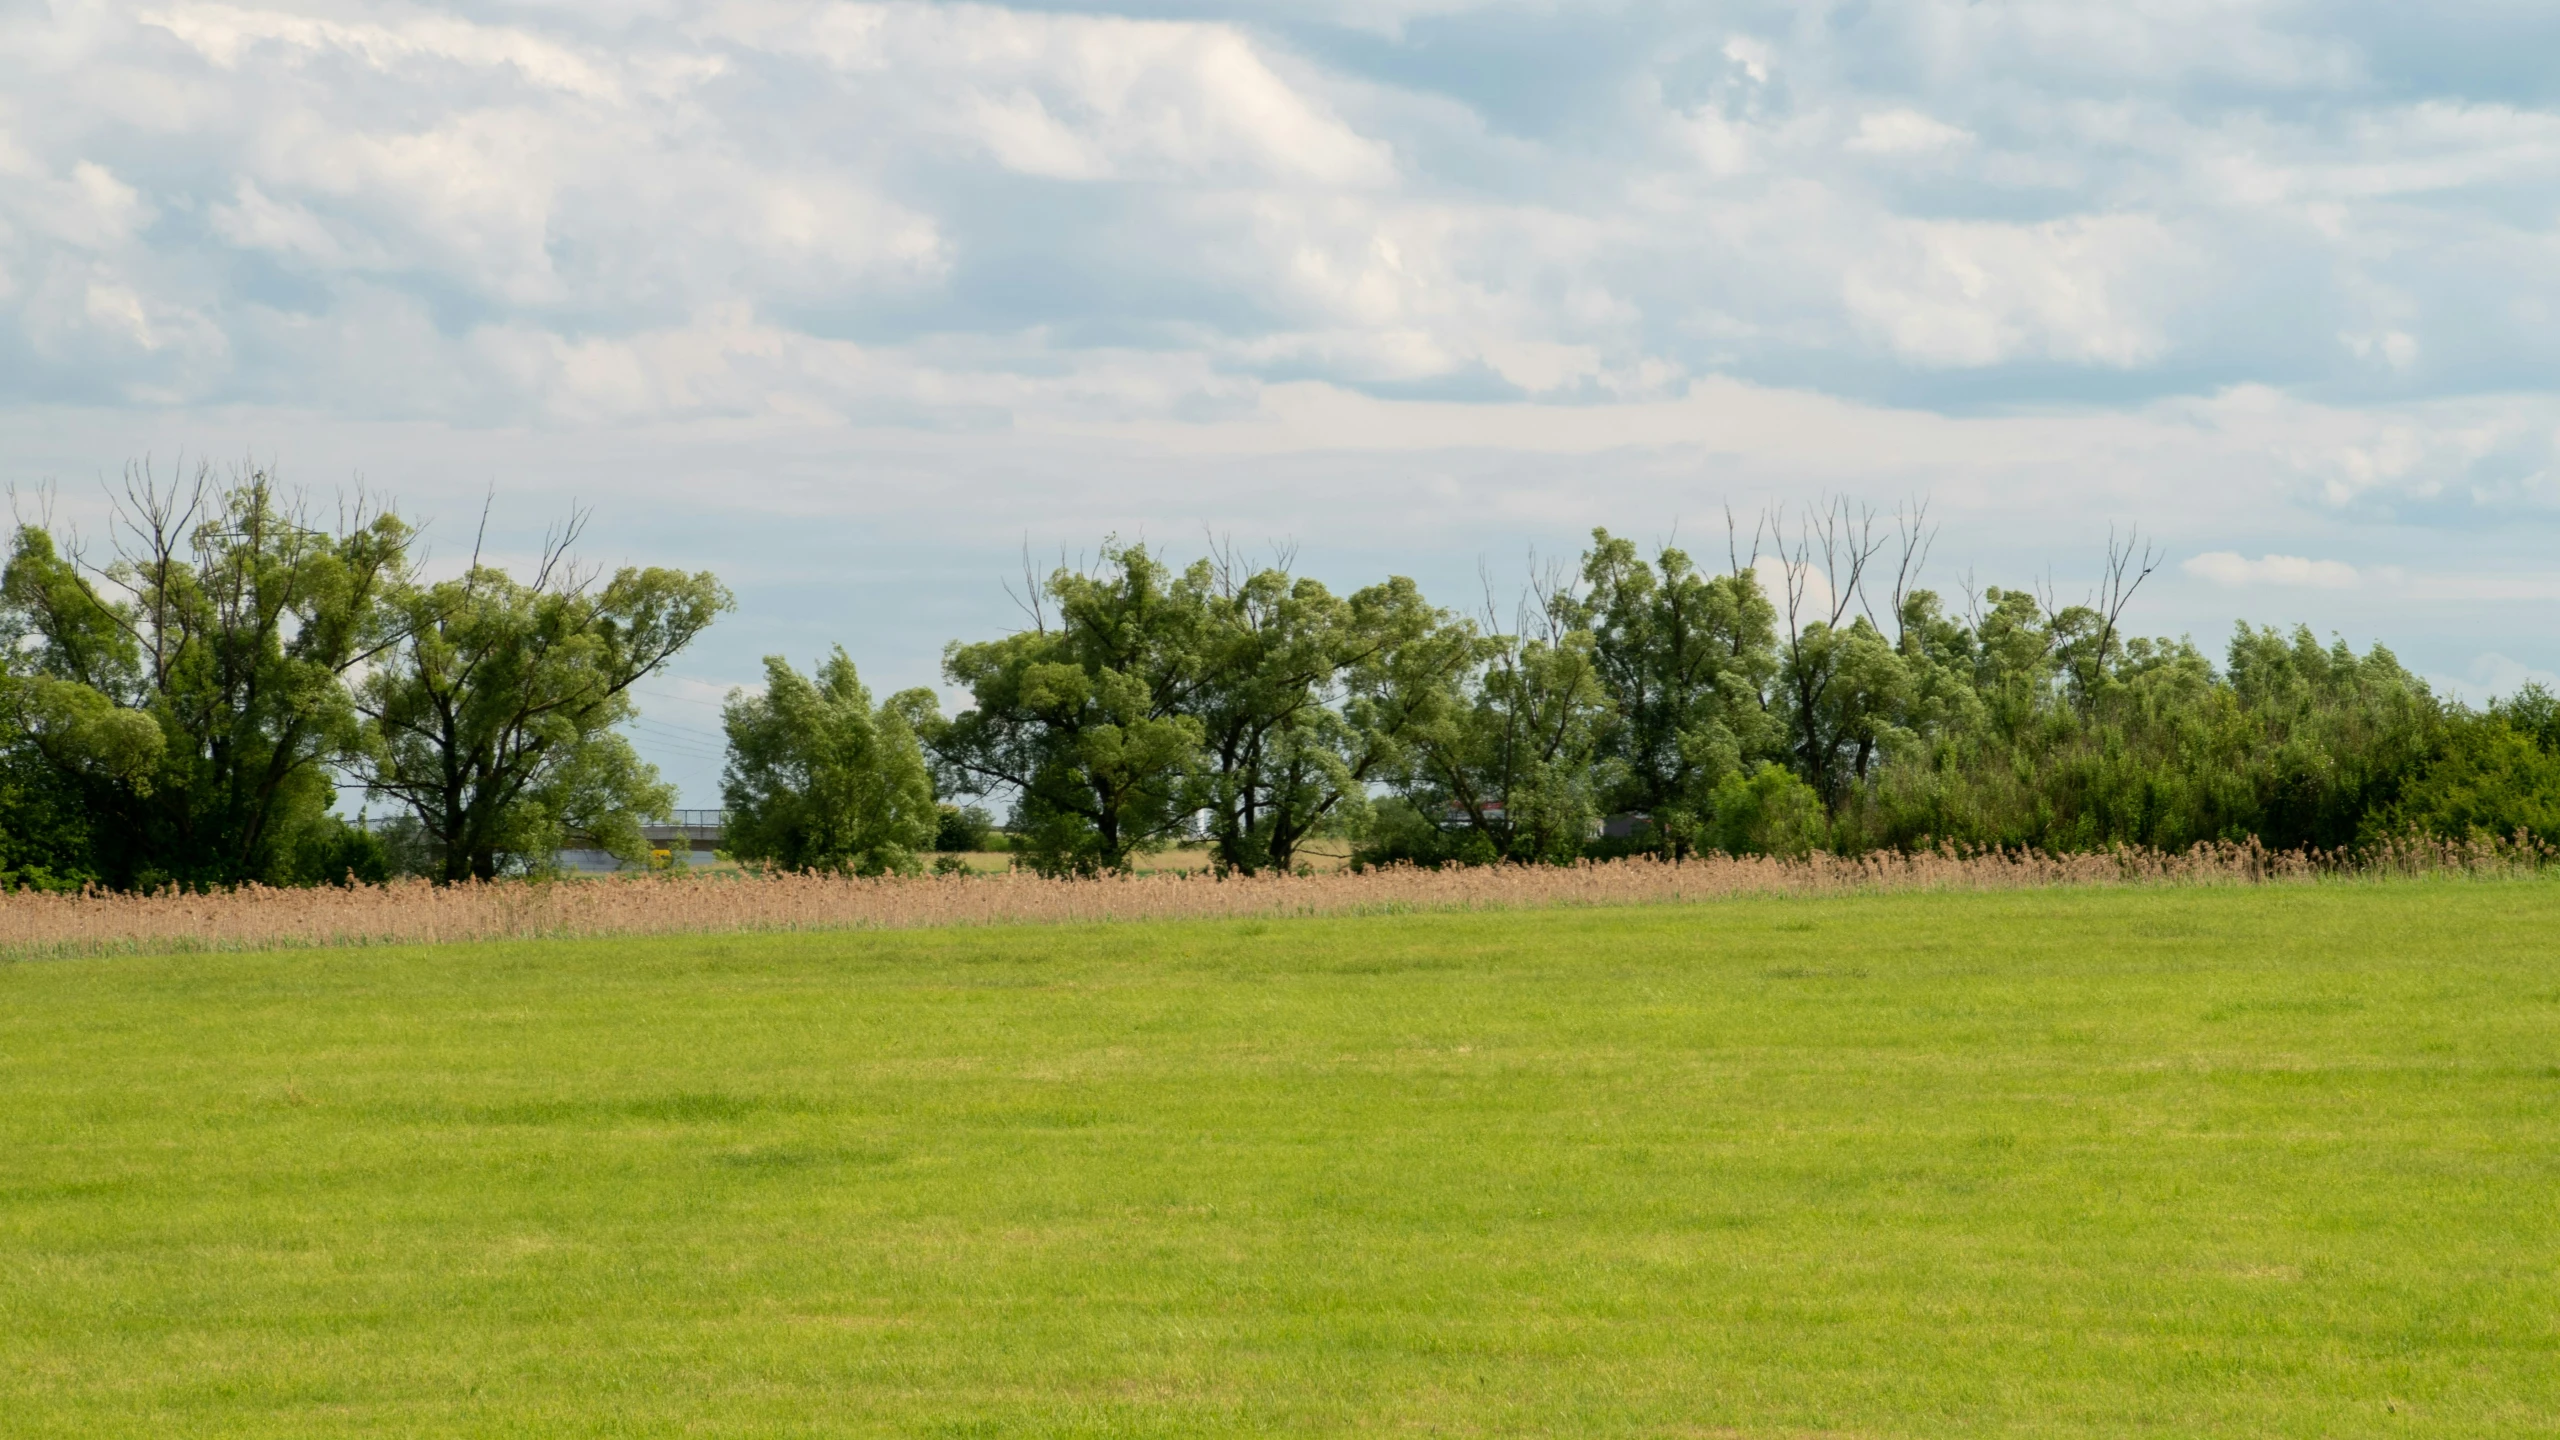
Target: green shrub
(1770, 812)
(963, 828)
(1399, 832)
(2490, 777)
(331, 852)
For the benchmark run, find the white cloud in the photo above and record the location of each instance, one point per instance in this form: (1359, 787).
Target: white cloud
(1753, 56)
(1933, 190)
(2397, 349)
(2137, 42)
(2090, 290)
(2221, 268)
(1904, 132)
(2224, 567)
(2503, 675)
(2492, 676)
(253, 220)
(1087, 97)
(223, 34)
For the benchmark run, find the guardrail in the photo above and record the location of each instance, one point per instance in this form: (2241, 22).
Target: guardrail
(677, 820)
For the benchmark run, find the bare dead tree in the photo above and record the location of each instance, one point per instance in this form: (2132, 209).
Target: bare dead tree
(1839, 535)
(1913, 536)
(1226, 571)
(2130, 561)
(1734, 563)
(2125, 571)
(1033, 599)
(148, 524)
(1544, 602)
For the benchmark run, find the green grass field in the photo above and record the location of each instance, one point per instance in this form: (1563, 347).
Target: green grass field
(2261, 1163)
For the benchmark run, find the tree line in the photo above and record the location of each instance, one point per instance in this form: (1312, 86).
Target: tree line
(1632, 703)
(183, 709)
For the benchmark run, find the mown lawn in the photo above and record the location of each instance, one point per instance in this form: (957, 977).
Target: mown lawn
(2274, 1163)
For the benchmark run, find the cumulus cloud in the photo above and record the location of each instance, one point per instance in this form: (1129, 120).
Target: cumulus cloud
(1079, 97)
(1894, 199)
(1954, 293)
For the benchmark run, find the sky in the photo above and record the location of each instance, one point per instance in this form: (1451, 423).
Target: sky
(859, 305)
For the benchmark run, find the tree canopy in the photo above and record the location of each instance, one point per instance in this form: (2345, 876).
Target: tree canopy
(820, 780)
(492, 719)
(187, 708)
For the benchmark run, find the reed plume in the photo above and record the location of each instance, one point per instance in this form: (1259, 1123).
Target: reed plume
(412, 912)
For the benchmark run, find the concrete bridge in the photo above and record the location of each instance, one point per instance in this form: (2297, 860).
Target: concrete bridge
(690, 837)
(693, 833)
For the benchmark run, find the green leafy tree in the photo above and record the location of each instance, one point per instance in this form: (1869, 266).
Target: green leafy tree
(1688, 660)
(227, 623)
(2493, 776)
(1306, 698)
(492, 719)
(2294, 744)
(45, 839)
(818, 779)
(1510, 754)
(1842, 687)
(1844, 690)
(2335, 734)
(962, 829)
(1087, 718)
(2534, 712)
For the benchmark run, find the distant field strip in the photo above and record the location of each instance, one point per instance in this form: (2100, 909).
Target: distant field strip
(35, 925)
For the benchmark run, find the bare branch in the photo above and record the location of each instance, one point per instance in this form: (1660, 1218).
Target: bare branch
(1847, 532)
(2116, 590)
(1913, 535)
(1031, 601)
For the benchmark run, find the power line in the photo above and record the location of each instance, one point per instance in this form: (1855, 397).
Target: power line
(678, 699)
(660, 745)
(679, 743)
(702, 756)
(644, 720)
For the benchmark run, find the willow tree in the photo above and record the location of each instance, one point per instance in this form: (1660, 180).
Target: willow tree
(493, 719)
(1087, 717)
(1688, 660)
(192, 688)
(820, 779)
(1306, 699)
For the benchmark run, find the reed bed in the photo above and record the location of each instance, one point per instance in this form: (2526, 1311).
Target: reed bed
(414, 912)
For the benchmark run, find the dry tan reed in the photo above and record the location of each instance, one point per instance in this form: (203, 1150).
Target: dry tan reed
(36, 925)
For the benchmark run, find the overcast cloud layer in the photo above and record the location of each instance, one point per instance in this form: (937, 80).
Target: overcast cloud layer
(850, 301)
